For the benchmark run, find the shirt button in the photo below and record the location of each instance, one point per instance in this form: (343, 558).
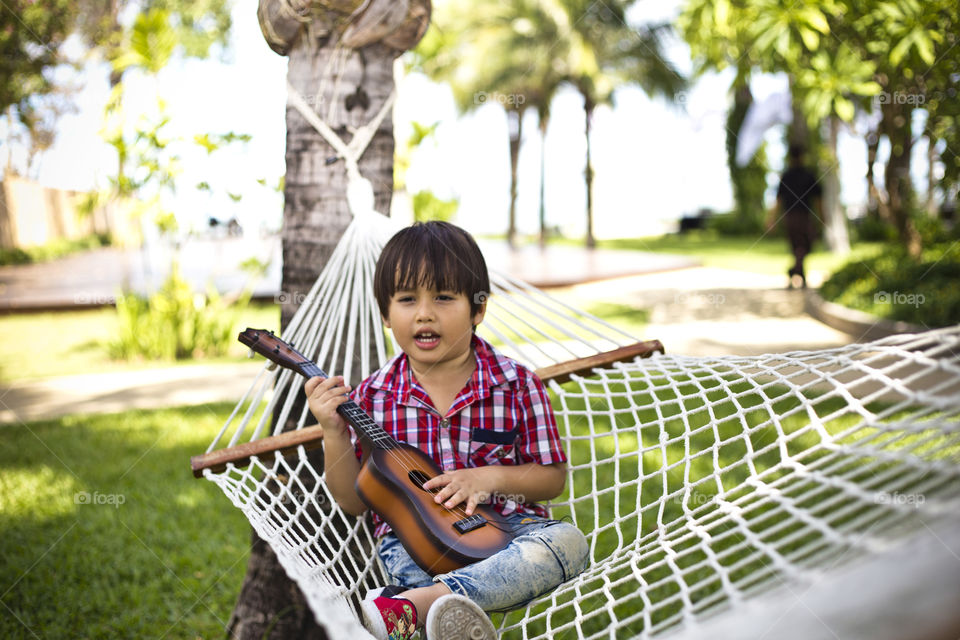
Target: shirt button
(445, 424)
(500, 453)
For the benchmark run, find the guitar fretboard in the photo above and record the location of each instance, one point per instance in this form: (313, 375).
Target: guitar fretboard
(352, 413)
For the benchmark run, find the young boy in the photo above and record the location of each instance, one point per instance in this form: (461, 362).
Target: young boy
(484, 418)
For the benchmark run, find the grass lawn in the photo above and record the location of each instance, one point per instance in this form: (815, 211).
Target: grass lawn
(38, 345)
(105, 533)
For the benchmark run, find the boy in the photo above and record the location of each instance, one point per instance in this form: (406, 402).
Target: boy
(485, 419)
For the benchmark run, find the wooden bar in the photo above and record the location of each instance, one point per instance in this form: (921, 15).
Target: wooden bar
(310, 437)
(562, 372)
(240, 454)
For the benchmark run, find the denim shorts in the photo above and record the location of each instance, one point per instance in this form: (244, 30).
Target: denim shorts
(543, 554)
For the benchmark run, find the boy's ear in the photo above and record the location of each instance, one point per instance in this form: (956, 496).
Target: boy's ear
(386, 322)
(478, 316)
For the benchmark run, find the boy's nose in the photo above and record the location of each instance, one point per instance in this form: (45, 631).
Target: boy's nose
(425, 312)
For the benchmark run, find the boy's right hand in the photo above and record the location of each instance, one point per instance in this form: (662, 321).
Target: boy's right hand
(324, 395)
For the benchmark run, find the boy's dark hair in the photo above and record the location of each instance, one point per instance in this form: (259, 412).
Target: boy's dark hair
(433, 254)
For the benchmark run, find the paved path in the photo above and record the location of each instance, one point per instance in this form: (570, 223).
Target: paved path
(709, 311)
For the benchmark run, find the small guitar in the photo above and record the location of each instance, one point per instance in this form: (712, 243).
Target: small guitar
(391, 483)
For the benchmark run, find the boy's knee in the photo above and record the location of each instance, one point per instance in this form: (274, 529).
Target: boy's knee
(570, 546)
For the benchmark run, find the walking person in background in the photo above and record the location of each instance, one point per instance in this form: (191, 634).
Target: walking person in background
(798, 204)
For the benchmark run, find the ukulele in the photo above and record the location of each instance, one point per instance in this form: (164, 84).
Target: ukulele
(391, 481)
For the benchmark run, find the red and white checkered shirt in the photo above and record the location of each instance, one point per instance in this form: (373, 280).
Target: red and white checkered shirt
(501, 416)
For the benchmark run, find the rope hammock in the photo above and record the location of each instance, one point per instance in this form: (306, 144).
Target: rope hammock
(700, 483)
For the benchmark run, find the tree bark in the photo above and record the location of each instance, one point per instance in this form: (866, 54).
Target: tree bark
(588, 108)
(896, 124)
(515, 126)
(834, 219)
(543, 203)
(315, 216)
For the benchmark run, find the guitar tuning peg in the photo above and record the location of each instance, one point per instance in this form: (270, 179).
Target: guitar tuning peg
(251, 353)
(272, 366)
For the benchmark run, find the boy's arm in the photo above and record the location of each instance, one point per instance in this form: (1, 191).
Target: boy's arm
(340, 462)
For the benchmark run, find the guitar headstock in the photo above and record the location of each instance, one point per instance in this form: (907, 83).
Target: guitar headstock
(273, 348)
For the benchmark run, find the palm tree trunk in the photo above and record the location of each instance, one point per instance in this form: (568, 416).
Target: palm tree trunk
(543, 205)
(314, 218)
(588, 107)
(834, 219)
(900, 196)
(515, 124)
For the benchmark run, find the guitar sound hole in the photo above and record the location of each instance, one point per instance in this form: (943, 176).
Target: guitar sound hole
(418, 477)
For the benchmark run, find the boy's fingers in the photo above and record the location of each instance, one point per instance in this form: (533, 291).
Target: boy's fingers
(437, 481)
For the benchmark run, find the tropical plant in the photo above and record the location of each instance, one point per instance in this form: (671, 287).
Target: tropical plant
(507, 53)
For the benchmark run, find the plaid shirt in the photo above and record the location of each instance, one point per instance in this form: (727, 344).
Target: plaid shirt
(501, 416)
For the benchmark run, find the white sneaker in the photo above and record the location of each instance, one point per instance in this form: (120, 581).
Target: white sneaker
(454, 617)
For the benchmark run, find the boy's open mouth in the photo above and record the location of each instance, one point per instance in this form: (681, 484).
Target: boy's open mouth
(426, 339)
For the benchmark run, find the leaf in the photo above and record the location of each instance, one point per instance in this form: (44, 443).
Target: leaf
(153, 40)
(204, 141)
(811, 39)
(901, 49)
(844, 108)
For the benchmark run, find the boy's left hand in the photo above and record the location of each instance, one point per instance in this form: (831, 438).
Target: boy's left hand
(472, 486)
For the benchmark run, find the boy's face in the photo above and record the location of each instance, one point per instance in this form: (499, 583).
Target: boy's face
(432, 327)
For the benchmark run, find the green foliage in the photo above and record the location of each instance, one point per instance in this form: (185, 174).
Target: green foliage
(105, 533)
(890, 284)
(733, 224)
(175, 322)
(31, 33)
(51, 251)
(427, 206)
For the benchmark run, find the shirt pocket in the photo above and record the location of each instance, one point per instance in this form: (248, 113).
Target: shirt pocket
(492, 446)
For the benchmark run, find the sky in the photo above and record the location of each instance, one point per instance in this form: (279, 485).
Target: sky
(653, 162)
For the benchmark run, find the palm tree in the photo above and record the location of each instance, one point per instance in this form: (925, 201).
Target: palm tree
(341, 56)
(510, 53)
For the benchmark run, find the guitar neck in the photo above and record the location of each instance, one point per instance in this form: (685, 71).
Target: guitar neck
(352, 413)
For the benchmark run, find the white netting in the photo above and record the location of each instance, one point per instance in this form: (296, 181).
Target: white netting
(699, 482)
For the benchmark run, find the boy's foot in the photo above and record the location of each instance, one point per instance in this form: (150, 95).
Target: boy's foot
(454, 617)
(389, 618)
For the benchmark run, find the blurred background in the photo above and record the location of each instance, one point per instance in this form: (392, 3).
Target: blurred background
(625, 155)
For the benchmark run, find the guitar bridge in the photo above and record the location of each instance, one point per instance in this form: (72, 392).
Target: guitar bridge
(470, 523)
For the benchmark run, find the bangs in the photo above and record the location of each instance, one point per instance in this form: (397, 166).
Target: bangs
(439, 271)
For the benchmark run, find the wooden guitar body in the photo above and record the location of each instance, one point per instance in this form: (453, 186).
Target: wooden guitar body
(438, 539)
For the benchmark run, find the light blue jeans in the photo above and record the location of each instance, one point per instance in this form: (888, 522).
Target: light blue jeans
(543, 554)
